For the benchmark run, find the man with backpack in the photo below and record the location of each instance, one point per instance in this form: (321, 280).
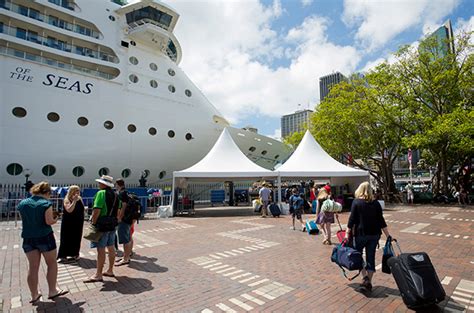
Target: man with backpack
(127, 216)
(296, 203)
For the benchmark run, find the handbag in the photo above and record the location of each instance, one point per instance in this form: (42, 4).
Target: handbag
(331, 206)
(108, 222)
(347, 257)
(91, 233)
(387, 254)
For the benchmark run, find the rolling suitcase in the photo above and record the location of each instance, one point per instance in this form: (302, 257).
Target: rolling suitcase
(312, 228)
(275, 210)
(416, 279)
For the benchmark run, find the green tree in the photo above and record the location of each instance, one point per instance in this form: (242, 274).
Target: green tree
(436, 93)
(359, 119)
(294, 139)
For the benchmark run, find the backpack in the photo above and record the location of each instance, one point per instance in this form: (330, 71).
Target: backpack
(133, 210)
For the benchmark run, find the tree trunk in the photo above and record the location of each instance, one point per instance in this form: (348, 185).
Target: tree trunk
(444, 172)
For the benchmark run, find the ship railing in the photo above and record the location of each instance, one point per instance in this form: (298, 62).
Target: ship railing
(51, 62)
(146, 21)
(56, 44)
(51, 20)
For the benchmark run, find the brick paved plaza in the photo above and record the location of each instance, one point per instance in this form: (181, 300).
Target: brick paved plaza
(231, 260)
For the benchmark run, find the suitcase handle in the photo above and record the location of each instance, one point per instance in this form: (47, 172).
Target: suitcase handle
(337, 218)
(398, 246)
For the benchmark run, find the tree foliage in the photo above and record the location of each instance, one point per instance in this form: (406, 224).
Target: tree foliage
(294, 139)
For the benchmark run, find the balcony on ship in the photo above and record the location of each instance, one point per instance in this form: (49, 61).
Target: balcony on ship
(58, 42)
(57, 19)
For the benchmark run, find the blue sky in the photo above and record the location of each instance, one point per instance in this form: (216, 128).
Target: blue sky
(257, 60)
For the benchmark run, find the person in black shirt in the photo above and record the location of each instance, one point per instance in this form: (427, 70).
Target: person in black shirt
(124, 226)
(367, 221)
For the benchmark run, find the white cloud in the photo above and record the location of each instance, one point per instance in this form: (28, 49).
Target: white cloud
(276, 134)
(462, 25)
(306, 3)
(377, 22)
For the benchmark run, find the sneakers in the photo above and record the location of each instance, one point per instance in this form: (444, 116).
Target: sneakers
(366, 284)
(327, 242)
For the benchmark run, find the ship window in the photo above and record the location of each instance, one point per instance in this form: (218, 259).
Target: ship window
(53, 117)
(171, 133)
(23, 10)
(78, 171)
(171, 88)
(133, 60)
(112, 18)
(14, 169)
(162, 174)
(126, 173)
(153, 83)
(19, 112)
(277, 156)
(108, 125)
(188, 92)
(132, 128)
(82, 121)
(188, 136)
(171, 72)
(133, 78)
(153, 67)
(124, 44)
(152, 131)
(150, 13)
(252, 149)
(264, 152)
(48, 170)
(133, 43)
(104, 171)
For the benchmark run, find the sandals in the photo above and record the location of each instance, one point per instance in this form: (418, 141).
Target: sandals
(122, 262)
(33, 301)
(108, 275)
(60, 293)
(327, 242)
(366, 284)
(93, 280)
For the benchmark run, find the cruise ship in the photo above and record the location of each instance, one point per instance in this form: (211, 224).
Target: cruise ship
(94, 87)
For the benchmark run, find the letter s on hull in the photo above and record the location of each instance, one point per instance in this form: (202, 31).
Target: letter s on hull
(50, 78)
(88, 88)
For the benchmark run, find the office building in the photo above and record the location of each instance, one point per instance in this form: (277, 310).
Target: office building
(295, 122)
(326, 82)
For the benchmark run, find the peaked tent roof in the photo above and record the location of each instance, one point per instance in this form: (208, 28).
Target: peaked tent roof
(225, 160)
(310, 160)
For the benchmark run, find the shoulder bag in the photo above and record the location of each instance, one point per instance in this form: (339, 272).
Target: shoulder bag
(108, 222)
(91, 233)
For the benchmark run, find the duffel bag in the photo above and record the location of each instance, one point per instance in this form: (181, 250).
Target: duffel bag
(347, 258)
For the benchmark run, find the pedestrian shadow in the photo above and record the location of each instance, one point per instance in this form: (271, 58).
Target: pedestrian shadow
(59, 304)
(127, 285)
(377, 291)
(84, 263)
(146, 264)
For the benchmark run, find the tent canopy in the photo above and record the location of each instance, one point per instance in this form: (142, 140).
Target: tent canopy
(225, 160)
(310, 160)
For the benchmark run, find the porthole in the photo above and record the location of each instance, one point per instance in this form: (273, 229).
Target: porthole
(108, 125)
(264, 152)
(126, 173)
(112, 18)
(252, 149)
(48, 170)
(82, 121)
(53, 117)
(132, 128)
(153, 83)
(171, 88)
(277, 156)
(188, 92)
(171, 72)
(188, 136)
(104, 171)
(19, 112)
(152, 131)
(14, 169)
(133, 43)
(171, 133)
(162, 174)
(133, 60)
(146, 173)
(153, 67)
(78, 171)
(133, 78)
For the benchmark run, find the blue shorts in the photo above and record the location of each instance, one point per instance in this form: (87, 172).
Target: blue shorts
(123, 231)
(43, 244)
(107, 240)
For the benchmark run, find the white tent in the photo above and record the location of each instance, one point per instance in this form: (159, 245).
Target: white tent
(310, 160)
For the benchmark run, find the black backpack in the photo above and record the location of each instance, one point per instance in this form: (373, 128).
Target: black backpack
(133, 210)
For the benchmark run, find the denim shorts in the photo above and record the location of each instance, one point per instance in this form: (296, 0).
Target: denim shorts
(107, 240)
(43, 244)
(123, 232)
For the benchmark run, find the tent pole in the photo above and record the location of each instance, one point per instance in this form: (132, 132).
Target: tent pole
(172, 196)
(279, 190)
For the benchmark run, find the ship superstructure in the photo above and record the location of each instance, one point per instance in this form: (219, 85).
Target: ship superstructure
(92, 87)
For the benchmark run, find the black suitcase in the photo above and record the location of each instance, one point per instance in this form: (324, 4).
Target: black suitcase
(275, 210)
(416, 279)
